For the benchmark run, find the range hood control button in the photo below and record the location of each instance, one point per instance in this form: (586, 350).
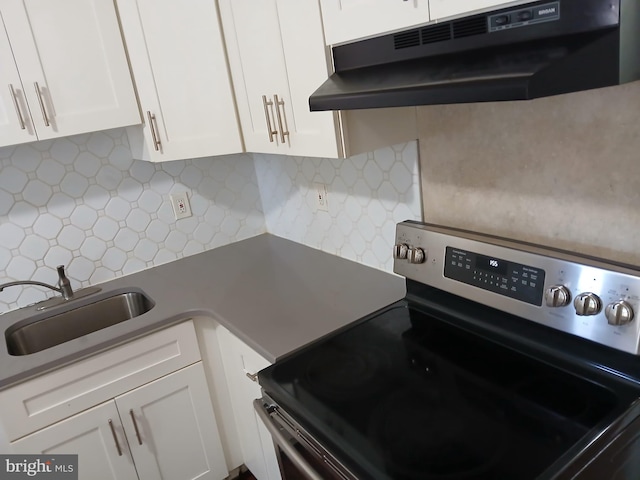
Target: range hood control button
(400, 251)
(417, 255)
(557, 296)
(502, 20)
(619, 313)
(525, 15)
(587, 304)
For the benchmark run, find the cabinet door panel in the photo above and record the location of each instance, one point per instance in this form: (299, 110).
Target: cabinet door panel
(259, 68)
(179, 62)
(176, 427)
(257, 447)
(74, 51)
(448, 8)
(14, 112)
(311, 133)
(89, 436)
(347, 20)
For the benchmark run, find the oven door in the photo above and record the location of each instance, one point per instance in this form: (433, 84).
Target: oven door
(299, 455)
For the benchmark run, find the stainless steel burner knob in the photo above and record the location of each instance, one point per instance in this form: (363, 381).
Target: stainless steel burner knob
(416, 255)
(400, 250)
(557, 296)
(619, 313)
(587, 304)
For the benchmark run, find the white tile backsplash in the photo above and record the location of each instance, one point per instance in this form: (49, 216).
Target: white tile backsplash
(367, 195)
(83, 202)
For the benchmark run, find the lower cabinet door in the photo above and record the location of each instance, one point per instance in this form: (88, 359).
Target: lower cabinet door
(171, 428)
(241, 364)
(95, 435)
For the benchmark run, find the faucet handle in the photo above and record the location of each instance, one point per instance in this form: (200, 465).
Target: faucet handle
(64, 283)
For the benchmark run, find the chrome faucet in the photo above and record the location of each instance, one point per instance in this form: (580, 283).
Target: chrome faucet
(64, 285)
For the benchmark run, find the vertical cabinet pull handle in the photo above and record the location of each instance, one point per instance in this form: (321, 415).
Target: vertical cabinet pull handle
(154, 135)
(283, 133)
(115, 438)
(17, 107)
(135, 426)
(41, 101)
(267, 105)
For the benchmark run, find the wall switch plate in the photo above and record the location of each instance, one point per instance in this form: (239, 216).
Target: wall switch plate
(321, 197)
(180, 204)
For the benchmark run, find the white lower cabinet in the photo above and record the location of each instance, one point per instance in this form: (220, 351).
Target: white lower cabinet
(90, 435)
(164, 429)
(241, 364)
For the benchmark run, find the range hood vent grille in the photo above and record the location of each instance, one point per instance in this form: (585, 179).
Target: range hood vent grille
(441, 32)
(407, 39)
(436, 33)
(470, 27)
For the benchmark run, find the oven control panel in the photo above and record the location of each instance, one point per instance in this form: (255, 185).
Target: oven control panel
(588, 297)
(512, 279)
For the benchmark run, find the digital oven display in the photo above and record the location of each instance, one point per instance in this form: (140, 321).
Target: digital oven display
(491, 265)
(510, 279)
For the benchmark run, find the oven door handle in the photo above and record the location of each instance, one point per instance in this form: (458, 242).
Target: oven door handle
(295, 456)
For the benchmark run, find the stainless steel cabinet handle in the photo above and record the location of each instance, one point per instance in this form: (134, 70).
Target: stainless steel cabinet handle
(293, 454)
(135, 426)
(41, 101)
(280, 103)
(115, 438)
(154, 135)
(267, 105)
(17, 107)
(251, 376)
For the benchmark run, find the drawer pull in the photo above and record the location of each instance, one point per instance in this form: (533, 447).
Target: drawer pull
(41, 102)
(251, 376)
(280, 103)
(135, 426)
(15, 104)
(154, 135)
(267, 105)
(115, 438)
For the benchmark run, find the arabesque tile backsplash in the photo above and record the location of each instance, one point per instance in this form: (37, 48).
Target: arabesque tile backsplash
(83, 202)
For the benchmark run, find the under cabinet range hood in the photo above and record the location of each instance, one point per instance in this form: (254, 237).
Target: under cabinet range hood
(532, 50)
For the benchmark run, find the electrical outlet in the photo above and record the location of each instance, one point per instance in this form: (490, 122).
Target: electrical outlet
(321, 197)
(180, 204)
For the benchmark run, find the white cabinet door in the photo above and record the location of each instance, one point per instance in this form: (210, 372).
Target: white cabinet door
(447, 8)
(241, 363)
(171, 428)
(102, 452)
(72, 63)
(278, 58)
(15, 121)
(348, 20)
(179, 64)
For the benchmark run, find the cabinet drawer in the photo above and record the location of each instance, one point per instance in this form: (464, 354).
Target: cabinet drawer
(44, 400)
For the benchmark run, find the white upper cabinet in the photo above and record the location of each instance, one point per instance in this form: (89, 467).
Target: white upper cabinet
(348, 20)
(278, 58)
(447, 8)
(73, 71)
(179, 64)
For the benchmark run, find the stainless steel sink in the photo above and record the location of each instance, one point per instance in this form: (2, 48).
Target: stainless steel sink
(30, 337)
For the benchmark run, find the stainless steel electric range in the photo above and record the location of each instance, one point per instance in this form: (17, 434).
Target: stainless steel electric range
(505, 361)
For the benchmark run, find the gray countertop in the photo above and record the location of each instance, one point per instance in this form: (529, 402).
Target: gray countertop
(274, 294)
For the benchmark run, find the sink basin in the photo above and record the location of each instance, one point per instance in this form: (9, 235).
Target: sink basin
(35, 336)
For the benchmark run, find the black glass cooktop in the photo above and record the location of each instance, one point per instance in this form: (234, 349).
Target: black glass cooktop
(404, 395)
